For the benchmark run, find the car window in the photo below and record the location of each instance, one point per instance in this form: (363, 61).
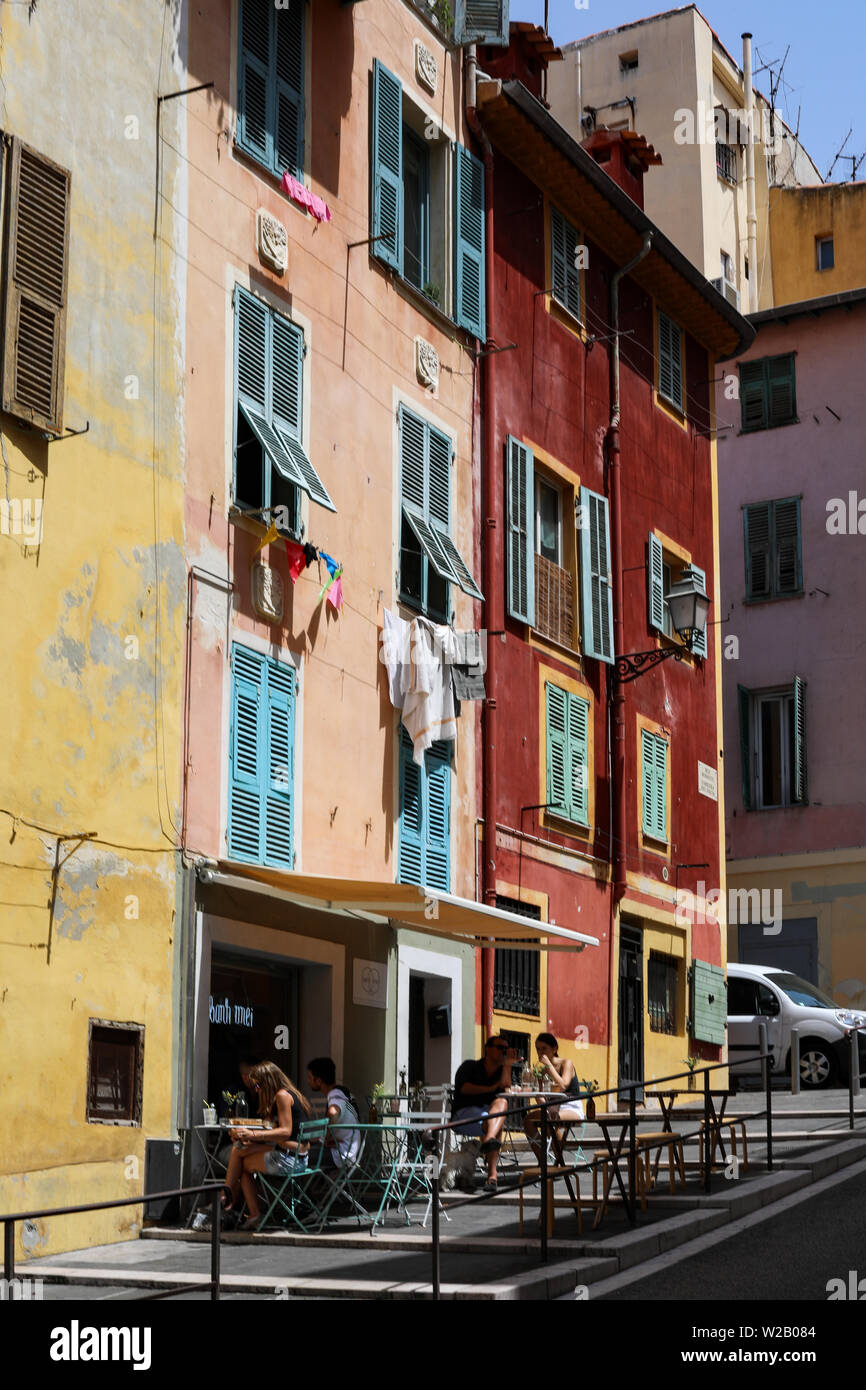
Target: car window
(742, 996)
(804, 993)
(768, 1002)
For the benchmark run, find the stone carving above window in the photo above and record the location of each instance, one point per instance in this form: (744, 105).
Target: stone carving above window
(426, 66)
(268, 595)
(272, 240)
(426, 364)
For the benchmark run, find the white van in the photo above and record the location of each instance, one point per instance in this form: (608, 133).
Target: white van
(780, 999)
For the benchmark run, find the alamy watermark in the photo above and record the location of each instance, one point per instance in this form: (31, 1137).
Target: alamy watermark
(745, 905)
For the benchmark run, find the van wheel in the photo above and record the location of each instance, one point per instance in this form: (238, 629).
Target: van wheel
(817, 1068)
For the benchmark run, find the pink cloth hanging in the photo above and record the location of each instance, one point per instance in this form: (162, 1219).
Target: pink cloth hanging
(296, 191)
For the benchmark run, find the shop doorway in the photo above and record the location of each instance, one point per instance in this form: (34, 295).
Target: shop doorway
(630, 1007)
(253, 1017)
(430, 1009)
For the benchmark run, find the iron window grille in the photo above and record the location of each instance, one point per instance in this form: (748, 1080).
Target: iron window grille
(726, 162)
(662, 993)
(517, 974)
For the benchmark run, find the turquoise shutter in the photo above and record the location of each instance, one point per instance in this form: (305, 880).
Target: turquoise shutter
(289, 84)
(799, 792)
(661, 785)
(437, 819)
(481, 21)
(781, 399)
(255, 94)
(386, 200)
(655, 584)
(788, 559)
(753, 401)
(756, 520)
(565, 279)
(557, 750)
(412, 460)
(521, 530)
(439, 476)
(279, 773)
(654, 752)
(287, 364)
(700, 646)
(469, 242)
(670, 361)
(252, 349)
(709, 1011)
(410, 854)
(744, 707)
(578, 758)
(595, 576)
(245, 770)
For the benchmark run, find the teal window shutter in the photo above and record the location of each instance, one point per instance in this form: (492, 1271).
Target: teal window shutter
(261, 772)
(781, 394)
(578, 757)
(788, 556)
(799, 787)
(700, 645)
(565, 279)
(410, 858)
(556, 752)
(386, 165)
(655, 584)
(654, 753)
(481, 21)
(271, 84)
(595, 576)
(425, 487)
(757, 523)
(469, 242)
(744, 707)
(753, 404)
(521, 530)
(709, 1011)
(424, 850)
(774, 556)
(670, 361)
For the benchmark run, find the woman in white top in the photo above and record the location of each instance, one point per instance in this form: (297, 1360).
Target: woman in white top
(563, 1077)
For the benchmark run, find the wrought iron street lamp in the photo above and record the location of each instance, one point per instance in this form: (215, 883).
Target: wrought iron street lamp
(688, 606)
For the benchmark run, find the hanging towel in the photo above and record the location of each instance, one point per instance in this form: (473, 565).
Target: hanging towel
(299, 194)
(395, 657)
(297, 559)
(428, 708)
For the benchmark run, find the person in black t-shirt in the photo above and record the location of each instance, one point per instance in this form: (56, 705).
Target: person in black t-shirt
(478, 1088)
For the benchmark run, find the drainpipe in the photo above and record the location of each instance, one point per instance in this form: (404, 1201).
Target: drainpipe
(751, 213)
(617, 721)
(494, 602)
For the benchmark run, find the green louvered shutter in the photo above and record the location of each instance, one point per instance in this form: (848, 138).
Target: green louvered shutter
(410, 854)
(556, 753)
(563, 251)
(799, 788)
(413, 443)
(709, 1011)
(289, 88)
(287, 359)
(386, 165)
(744, 708)
(255, 91)
(469, 242)
(781, 396)
(437, 818)
(280, 765)
(661, 785)
(758, 550)
(788, 570)
(654, 752)
(521, 530)
(252, 356)
(655, 584)
(595, 576)
(700, 646)
(439, 477)
(245, 758)
(578, 758)
(481, 21)
(753, 396)
(670, 362)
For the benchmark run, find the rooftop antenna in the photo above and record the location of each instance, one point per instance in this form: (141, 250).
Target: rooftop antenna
(839, 154)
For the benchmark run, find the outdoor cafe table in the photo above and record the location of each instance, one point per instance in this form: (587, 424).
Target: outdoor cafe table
(606, 1121)
(210, 1138)
(396, 1167)
(716, 1117)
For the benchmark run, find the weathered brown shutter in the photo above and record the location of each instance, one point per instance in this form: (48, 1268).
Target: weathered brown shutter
(35, 288)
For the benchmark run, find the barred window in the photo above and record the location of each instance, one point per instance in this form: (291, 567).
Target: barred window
(516, 974)
(662, 993)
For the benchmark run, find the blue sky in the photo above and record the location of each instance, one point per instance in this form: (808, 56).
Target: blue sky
(824, 69)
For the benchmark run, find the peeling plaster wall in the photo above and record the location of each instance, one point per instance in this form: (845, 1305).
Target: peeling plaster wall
(93, 620)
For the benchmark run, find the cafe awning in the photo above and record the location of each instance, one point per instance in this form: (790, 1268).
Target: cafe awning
(421, 909)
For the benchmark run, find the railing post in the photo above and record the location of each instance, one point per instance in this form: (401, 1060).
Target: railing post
(632, 1153)
(434, 1192)
(8, 1251)
(768, 1087)
(215, 1231)
(853, 1074)
(543, 1171)
(795, 1060)
(707, 1139)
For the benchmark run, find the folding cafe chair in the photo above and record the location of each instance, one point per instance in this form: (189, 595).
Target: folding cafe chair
(300, 1197)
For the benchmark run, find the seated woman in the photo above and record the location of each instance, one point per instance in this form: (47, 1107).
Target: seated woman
(563, 1077)
(276, 1152)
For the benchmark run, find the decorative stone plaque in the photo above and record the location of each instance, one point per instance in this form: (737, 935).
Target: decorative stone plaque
(272, 240)
(426, 66)
(268, 597)
(426, 364)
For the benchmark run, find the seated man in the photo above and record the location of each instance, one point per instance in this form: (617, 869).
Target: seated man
(477, 1097)
(345, 1143)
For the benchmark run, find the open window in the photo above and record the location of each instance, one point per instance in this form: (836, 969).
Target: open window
(773, 746)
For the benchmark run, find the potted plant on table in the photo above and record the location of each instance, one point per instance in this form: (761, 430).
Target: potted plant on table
(691, 1063)
(375, 1098)
(589, 1087)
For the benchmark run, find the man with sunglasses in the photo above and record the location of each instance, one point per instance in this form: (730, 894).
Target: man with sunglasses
(478, 1099)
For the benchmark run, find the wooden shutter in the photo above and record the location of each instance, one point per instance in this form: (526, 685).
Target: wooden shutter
(36, 275)
(255, 89)
(758, 550)
(521, 530)
(287, 375)
(410, 854)
(289, 87)
(709, 1011)
(654, 752)
(279, 743)
(438, 476)
(670, 361)
(556, 751)
(799, 786)
(744, 707)
(700, 646)
(781, 402)
(753, 396)
(578, 758)
(437, 818)
(595, 576)
(787, 548)
(246, 741)
(565, 278)
(481, 21)
(655, 584)
(469, 242)
(386, 199)
(252, 349)
(413, 472)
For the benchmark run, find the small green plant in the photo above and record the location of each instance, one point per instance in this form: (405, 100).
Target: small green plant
(230, 1097)
(442, 11)
(432, 291)
(589, 1086)
(379, 1090)
(691, 1062)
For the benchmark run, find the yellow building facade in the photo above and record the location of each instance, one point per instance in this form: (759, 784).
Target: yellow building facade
(94, 599)
(817, 240)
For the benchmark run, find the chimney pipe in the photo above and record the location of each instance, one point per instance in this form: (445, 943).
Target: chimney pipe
(751, 214)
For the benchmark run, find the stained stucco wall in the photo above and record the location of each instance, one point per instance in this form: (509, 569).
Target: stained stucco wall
(798, 217)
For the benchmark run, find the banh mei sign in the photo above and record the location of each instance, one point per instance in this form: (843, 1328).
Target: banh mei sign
(223, 1011)
(708, 781)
